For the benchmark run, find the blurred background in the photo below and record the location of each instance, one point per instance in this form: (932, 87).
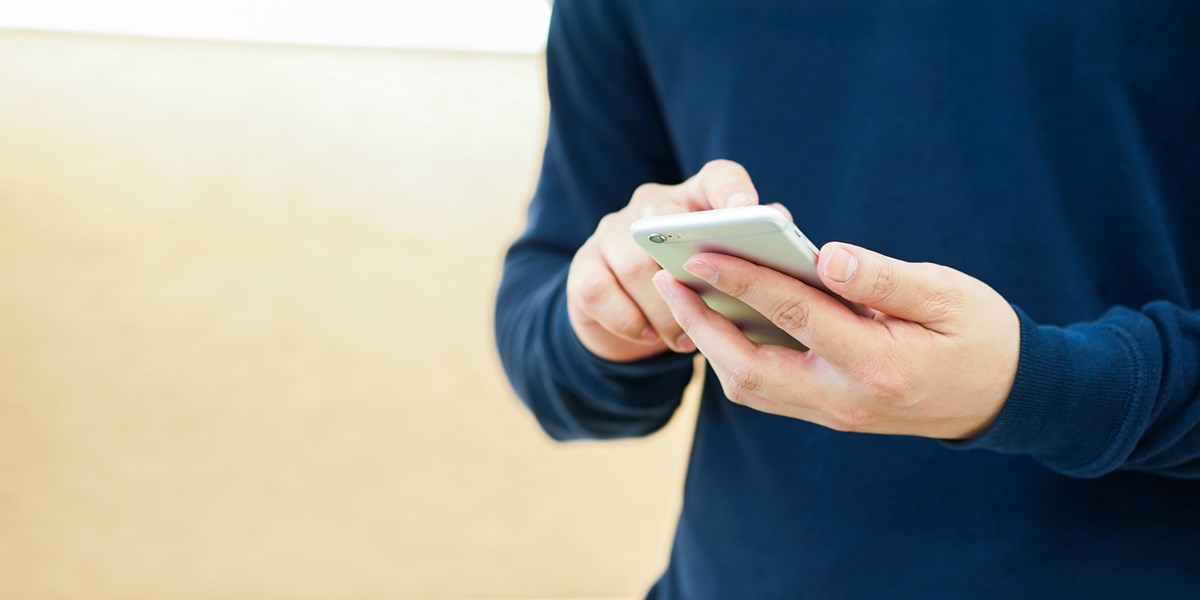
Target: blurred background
(247, 257)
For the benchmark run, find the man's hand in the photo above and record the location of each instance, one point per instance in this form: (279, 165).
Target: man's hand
(610, 298)
(937, 360)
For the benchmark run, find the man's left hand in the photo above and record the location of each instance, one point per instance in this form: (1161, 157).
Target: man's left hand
(937, 359)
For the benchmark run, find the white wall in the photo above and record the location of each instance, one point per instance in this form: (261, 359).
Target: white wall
(238, 358)
(478, 25)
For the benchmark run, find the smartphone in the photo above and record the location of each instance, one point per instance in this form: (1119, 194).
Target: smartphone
(759, 234)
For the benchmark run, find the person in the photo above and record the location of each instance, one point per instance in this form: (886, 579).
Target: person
(1018, 190)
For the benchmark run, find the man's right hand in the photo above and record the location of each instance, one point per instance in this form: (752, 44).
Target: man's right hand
(611, 301)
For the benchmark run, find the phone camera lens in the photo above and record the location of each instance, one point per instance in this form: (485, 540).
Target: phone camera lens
(657, 238)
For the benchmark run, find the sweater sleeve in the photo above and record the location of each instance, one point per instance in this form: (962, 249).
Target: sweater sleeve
(1122, 392)
(606, 136)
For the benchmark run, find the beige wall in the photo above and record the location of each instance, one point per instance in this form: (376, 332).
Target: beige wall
(245, 340)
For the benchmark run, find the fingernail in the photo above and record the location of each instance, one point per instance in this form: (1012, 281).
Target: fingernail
(839, 264)
(663, 287)
(701, 269)
(740, 199)
(649, 334)
(684, 343)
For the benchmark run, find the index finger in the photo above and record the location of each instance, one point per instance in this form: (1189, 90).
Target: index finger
(750, 373)
(807, 314)
(719, 184)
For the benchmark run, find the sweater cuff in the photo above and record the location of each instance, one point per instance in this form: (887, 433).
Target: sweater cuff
(1070, 403)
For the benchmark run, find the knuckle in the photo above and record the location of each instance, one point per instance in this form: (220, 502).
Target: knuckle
(941, 304)
(947, 296)
(883, 284)
(591, 292)
(792, 315)
(740, 382)
(629, 269)
(720, 164)
(746, 378)
(738, 287)
(606, 222)
(593, 296)
(645, 192)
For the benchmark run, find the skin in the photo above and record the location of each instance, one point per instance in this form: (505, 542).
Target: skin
(611, 301)
(937, 358)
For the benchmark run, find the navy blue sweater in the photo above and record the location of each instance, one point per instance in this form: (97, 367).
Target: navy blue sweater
(1051, 149)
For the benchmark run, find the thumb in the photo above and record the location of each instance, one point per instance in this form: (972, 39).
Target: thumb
(920, 292)
(719, 184)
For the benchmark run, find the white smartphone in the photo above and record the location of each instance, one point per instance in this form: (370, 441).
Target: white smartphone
(759, 234)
